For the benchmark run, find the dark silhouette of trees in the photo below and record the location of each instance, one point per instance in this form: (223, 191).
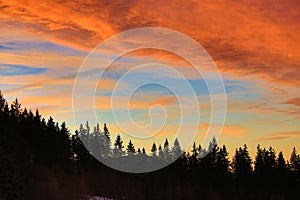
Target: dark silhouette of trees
(259, 161)
(208, 158)
(15, 109)
(281, 163)
(294, 164)
(97, 142)
(154, 149)
(176, 151)
(194, 159)
(2, 103)
(107, 139)
(34, 153)
(160, 152)
(242, 162)
(130, 148)
(118, 147)
(166, 151)
(222, 163)
(41, 159)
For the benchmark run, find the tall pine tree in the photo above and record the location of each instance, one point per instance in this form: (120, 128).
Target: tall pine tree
(118, 146)
(130, 148)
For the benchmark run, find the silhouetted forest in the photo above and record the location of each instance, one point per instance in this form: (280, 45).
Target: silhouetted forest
(41, 159)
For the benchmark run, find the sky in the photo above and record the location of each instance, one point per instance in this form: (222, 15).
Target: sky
(254, 44)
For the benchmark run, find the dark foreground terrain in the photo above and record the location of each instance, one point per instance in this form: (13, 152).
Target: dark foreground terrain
(40, 159)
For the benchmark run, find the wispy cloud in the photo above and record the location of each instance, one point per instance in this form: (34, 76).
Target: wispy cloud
(243, 38)
(3, 47)
(287, 133)
(270, 138)
(16, 70)
(293, 101)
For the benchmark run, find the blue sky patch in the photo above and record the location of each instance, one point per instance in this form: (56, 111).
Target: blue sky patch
(19, 45)
(3, 47)
(17, 70)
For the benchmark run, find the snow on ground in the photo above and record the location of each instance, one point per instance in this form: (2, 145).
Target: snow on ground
(99, 198)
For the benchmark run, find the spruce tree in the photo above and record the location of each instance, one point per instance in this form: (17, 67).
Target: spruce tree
(154, 149)
(280, 163)
(96, 141)
(118, 146)
(223, 162)
(6, 109)
(210, 160)
(107, 141)
(15, 108)
(51, 123)
(64, 141)
(2, 102)
(270, 160)
(193, 161)
(241, 162)
(106, 132)
(259, 160)
(166, 150)
(176, 151)
(160, 152)
(130, 148)
(294, 161)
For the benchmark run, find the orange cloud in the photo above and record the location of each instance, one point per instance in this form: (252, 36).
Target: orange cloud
(242, 37)
(233, 131)
(164, 101)
(271, 138)
(293, 101)
(229, 131)
(288, 133)
(104, 102)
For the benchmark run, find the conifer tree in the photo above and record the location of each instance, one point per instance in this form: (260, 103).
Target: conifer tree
(64, 141)
(2, 102)
(222, 163)
(15, 108)
(25, 114)
(130, 148)
(270, 160)
(96, 140)
(160, 152)
(176, 151)
(166, 150)
(107, 141)
(193, 160)
(259, 160)
(202, 152)
(280, 163)
(241, 162)
(51, 123)
(294, 164)
(118, 146)
(106, 132)
(154, 149)
(210, 160)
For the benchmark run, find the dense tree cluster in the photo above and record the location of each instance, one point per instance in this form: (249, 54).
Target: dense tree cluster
(41, 159)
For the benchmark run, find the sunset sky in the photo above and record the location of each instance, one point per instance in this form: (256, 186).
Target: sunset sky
(254, 44)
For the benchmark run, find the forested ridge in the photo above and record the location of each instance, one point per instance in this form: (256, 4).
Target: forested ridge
(41, 159)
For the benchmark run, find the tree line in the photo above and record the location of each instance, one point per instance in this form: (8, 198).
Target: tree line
(40, 157)
(265, 162)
